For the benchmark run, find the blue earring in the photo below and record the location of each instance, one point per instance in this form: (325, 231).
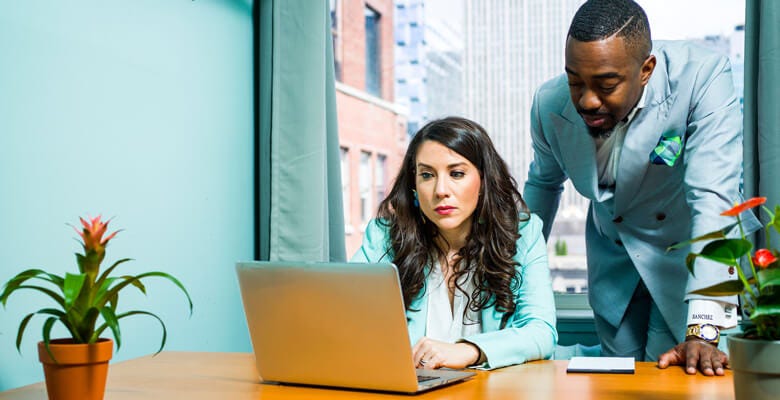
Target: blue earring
(416, 201)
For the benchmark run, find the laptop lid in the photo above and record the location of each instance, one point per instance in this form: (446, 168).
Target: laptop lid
(331, 324)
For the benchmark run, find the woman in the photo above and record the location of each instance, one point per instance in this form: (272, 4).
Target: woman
(472, 262)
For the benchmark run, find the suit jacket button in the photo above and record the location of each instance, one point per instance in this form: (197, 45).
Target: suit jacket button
(619, 242)
(618, 220)
(660, 216)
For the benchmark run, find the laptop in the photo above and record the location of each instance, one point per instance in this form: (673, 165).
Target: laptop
(332, 324)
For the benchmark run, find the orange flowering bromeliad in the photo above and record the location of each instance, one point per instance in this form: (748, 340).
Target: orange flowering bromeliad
(761, 290)
(84, 297)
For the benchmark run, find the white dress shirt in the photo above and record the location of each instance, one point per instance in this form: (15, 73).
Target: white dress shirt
(444, 322)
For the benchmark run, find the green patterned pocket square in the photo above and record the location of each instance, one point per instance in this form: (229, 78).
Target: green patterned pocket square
(667, 150)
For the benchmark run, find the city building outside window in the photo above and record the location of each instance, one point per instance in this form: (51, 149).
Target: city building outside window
(380, 179)
(345, 189)
(367, 209)
(373, 64)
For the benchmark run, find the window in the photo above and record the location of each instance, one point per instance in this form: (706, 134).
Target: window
(334, 33)
(345, 192)
(373, 67)
(483, 60)
(364, 183)
(380, 180)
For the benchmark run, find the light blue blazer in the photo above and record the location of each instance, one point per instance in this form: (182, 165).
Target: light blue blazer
(529, 333)
(654, 204)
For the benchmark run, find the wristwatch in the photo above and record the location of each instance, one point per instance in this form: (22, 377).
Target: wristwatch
(706, 332)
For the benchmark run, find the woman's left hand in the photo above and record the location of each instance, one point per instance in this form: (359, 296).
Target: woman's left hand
(433, 354)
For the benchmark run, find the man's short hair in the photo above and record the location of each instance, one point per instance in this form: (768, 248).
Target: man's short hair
(601, 19)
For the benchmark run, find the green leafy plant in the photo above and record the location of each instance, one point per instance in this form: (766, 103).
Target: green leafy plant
(83, 298)
(761, 290)
(560, 248)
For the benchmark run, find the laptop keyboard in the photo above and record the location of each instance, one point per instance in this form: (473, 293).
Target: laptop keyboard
(424, 378)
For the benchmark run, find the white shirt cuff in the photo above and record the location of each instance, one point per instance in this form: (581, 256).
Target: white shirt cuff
(714, 312)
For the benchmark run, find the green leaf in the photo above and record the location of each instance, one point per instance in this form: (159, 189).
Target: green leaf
(17, 281)
(72, 287)
(774, 219)
(135, 282)
(726, 251)
(23, 325)
(719, 234)
(47, 335)
(108, 271)
(105, 285)
(768, 277)
(20, 333)
(726, 288)
(54, 295)
(113, 323)
(115, 290)
(689, 260)
(764, 311)
(137, 312)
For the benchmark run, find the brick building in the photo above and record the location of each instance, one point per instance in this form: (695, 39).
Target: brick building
(372, 127)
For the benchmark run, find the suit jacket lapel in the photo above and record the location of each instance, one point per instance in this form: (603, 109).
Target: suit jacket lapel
(578, 151)
(642, 136)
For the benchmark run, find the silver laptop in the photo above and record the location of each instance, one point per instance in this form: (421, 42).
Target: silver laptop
(332, 324)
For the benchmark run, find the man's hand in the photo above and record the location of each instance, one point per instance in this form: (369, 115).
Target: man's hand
(433, 354)
(695, 354)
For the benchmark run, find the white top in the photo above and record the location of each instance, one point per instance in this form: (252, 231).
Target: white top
(445, 323)
(608, 148)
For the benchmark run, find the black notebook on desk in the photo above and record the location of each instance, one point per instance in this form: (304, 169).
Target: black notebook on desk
(601, 365)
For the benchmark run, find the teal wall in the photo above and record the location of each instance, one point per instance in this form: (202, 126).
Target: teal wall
(141, 110)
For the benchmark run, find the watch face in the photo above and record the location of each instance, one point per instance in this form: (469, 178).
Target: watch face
(709, 332)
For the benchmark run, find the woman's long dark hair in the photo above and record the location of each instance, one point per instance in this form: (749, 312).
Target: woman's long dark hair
(492, 242)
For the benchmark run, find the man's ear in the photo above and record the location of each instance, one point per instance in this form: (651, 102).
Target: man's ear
(647, 69)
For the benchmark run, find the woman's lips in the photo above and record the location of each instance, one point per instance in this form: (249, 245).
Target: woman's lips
(444, 210)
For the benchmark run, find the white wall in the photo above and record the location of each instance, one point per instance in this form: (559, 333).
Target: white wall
(141, 110)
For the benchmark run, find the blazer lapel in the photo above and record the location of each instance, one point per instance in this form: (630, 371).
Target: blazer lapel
(577, 151)
(641, 138)
(416, 320)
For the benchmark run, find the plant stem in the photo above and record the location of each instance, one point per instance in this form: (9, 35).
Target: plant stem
(750, 261)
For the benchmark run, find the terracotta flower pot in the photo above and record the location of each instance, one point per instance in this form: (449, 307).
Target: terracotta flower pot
(80, 370)
(756, 367)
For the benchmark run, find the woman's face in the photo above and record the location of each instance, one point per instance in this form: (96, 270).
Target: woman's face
(447, 188)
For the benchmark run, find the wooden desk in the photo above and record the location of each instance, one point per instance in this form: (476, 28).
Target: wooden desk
(181, 375)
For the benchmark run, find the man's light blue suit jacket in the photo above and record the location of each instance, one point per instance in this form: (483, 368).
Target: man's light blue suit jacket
(652, 206)
(529, 333)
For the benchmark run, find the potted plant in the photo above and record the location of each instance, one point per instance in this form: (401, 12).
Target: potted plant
(86, 304)
(754, 353)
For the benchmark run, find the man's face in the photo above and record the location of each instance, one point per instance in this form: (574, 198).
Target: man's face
(605, 80)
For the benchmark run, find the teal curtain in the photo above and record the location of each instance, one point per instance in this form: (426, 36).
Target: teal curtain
(762, 93)
(300, 211)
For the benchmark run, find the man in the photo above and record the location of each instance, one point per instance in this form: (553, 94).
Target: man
(653, 137)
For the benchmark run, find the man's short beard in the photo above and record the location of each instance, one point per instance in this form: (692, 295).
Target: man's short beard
(597, 133)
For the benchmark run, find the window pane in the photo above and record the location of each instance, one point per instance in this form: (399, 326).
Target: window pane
(373, 71)
(366, 205)
(345, 189)
(380, 181)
